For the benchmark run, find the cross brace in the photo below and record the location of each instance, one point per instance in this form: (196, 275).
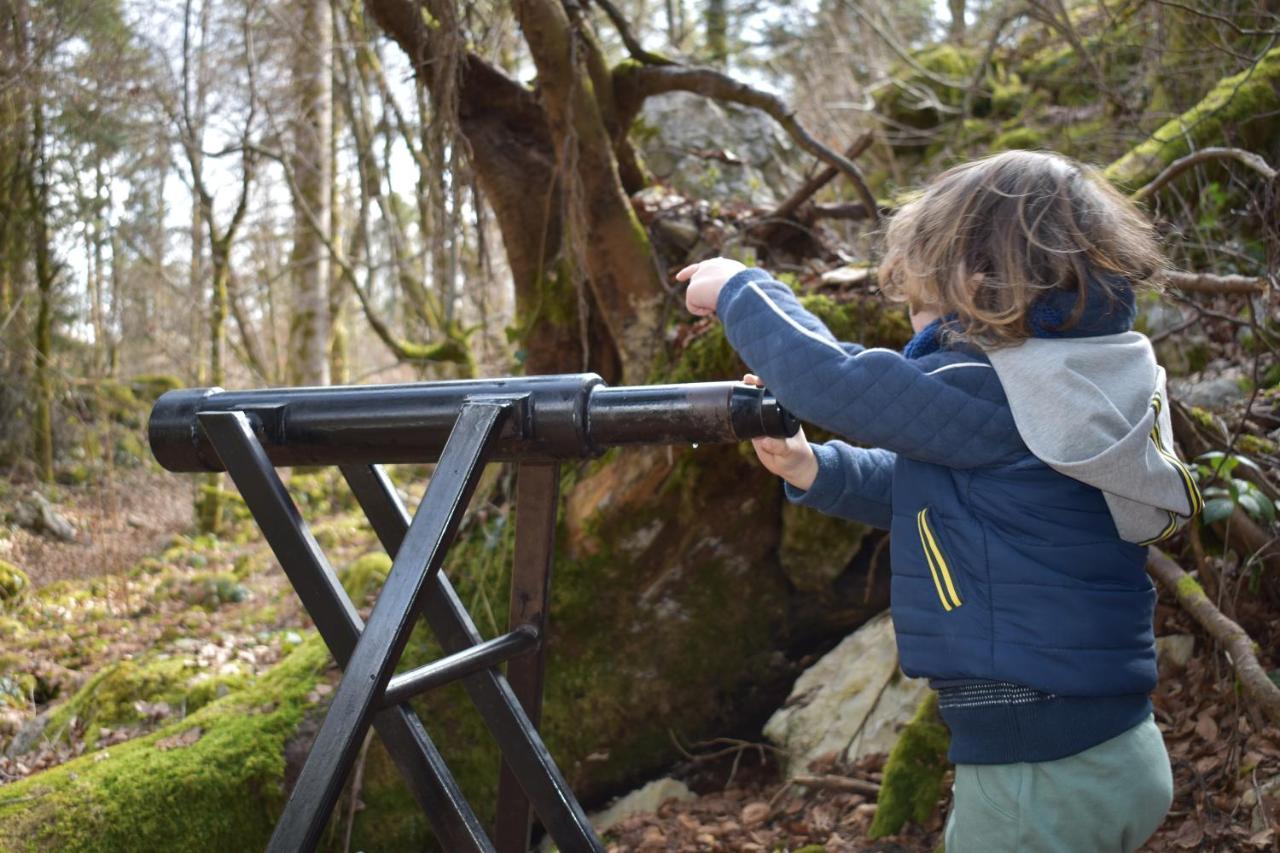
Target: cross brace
(370, 694)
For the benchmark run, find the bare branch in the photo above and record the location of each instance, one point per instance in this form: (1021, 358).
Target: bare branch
(1238, 645)
(711, 83)
(1221, 19)
(806, 190)
(1204, 282)
(1182, 164)
(637, 51)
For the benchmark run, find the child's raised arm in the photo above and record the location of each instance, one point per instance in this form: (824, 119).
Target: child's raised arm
(947, 409)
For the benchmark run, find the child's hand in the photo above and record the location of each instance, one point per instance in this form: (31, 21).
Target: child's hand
(705, 281)
(791, 458)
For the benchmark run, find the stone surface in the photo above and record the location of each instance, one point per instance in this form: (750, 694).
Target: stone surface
(645, 799)
(852, 702)
(36, 513)
(1211, 391)
(28, 736)
(708, 149)
(1175, 649)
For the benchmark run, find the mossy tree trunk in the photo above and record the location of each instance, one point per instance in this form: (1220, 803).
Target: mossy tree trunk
(38, 193)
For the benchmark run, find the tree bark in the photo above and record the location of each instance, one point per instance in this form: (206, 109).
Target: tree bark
(312, 133)
(38, 193)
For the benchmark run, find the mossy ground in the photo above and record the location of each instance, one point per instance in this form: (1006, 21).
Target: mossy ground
(221, 792)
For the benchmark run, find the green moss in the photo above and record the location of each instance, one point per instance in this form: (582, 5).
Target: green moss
(74, 475)
(1254, 445)
(1019, 137)
(950, 69)
(816, 548)
(110, 697)
(913, 773)
(363, 578)
(1189, 587)
(222, 792)
(1206, 419)
(149, 386)
(14, 585)
(1008, 95)
(210, 590)
(1246, 104)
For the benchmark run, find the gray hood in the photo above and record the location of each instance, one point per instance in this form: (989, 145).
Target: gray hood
(1095, 410)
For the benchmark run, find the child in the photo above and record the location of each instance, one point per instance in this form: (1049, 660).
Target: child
(1021, 457)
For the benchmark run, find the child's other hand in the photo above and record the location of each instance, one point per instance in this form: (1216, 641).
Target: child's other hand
(791, 458)
(705, 281)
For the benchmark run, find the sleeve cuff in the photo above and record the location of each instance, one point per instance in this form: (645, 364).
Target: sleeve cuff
(827, 486)
(735, 284)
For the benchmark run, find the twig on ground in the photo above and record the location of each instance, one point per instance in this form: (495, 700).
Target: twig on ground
(838, 783)
(1238, 644)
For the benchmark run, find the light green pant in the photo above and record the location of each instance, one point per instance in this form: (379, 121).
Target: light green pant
(1110, 797)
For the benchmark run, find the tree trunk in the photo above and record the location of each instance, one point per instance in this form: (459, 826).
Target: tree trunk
(312, 133)
(717, 22)
(38, 192)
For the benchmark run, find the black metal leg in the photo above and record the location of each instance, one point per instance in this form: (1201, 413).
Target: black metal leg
(364, 681)
(340, 625)
(537, 496)
(522, 748)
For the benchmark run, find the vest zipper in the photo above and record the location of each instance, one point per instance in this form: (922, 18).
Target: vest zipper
(938, 567)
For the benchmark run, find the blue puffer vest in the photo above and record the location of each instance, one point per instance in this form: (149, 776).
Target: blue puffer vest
(1011, 588)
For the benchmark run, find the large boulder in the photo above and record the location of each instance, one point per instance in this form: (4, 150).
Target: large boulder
(853, 702)
(707, 149)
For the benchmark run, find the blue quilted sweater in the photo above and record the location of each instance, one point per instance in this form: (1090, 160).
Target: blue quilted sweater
(1011, 590)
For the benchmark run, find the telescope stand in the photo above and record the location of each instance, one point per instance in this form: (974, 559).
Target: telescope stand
(370, 693)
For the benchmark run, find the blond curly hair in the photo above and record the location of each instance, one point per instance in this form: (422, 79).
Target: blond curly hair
(985, 239)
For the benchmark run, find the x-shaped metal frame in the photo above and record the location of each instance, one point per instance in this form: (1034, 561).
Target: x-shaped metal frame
(370, 694)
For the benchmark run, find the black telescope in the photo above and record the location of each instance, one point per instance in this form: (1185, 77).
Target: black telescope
(534, 421)
(559, 417)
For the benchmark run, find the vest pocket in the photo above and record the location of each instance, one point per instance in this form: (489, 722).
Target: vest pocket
(939, 569)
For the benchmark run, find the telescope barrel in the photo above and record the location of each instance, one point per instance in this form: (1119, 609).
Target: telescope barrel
(562, 417)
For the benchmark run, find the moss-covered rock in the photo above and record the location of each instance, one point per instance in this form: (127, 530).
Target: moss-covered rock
(213, 781)
(14, 585)
(924, 101)
(816, 548)
(913, 773)
(115, 696)
(365, 576)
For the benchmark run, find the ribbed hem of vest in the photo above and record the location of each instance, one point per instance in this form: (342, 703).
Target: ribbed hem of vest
(996, 722)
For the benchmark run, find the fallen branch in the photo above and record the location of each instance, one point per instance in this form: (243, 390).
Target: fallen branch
(838, 783)
(1203, 282)
(1239, 646)
(806, 190)
(1204, 155)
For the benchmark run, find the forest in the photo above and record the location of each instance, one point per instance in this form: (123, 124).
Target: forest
(257, 194)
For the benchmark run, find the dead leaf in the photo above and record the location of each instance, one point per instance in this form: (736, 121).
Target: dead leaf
(1190, 835)
(755, 812)
(1206, 727)
(1262, 840)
